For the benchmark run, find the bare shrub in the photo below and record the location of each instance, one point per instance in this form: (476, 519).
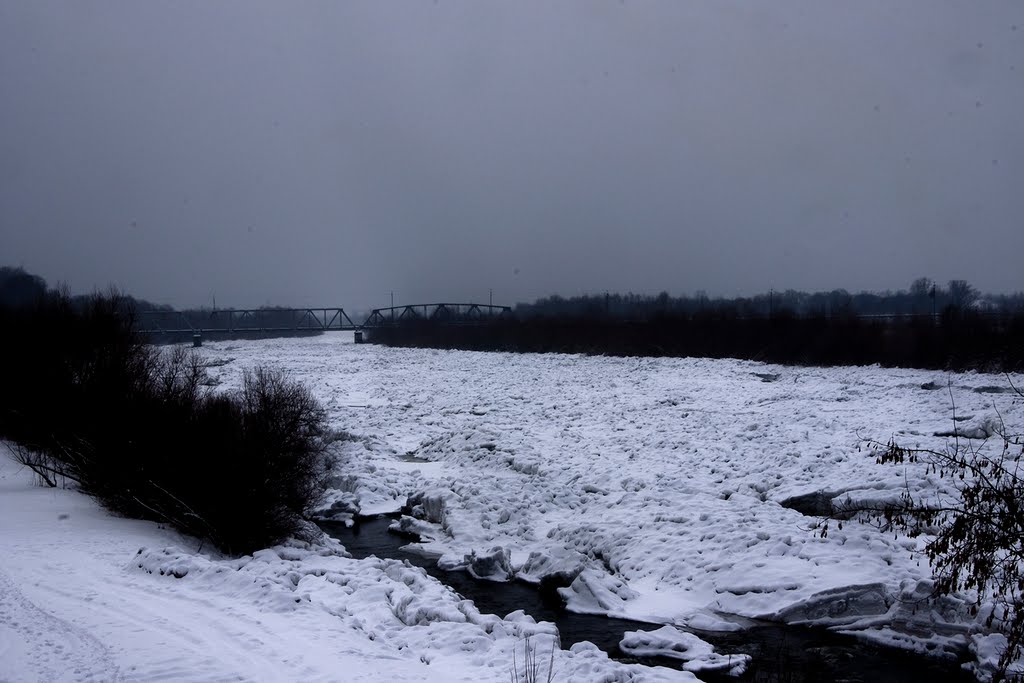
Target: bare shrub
(529, 670)
(87, 401)
(977, 539)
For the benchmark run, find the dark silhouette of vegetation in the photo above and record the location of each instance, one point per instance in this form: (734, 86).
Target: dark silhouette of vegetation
(924, 297)
(86, 400)
(957, 340)
(20, 289)
(791, 328)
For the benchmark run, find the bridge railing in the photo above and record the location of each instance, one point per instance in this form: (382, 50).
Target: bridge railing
(441, 312)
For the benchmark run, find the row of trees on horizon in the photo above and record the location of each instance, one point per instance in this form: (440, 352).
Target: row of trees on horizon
(20, 289)
(924, 297)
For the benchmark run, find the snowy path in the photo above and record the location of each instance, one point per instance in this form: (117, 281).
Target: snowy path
(67, 653)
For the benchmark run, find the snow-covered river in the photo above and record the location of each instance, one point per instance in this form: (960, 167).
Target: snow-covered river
(650, 487)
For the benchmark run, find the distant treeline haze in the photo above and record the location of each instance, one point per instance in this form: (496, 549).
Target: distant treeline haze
(924, 297)
(20, 289)
(928, 326)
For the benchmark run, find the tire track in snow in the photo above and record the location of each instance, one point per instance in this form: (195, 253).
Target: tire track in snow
(222, 645)
(34, 642)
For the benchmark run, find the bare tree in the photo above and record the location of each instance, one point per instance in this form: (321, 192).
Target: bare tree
(961, 293)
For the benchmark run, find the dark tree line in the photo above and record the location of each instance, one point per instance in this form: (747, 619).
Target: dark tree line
(966, 330)
(21, 289)
(956, 341)
(923, 297)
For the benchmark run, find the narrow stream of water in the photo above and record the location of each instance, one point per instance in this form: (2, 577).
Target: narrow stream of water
(780, 653)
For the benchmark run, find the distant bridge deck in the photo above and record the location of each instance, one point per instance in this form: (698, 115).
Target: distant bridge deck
(258, 320)
(455, 314)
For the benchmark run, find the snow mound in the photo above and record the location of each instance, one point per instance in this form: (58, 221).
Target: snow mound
(838, 606)
(429, 506)
(980, 428)
(588, 667)
(493, 565)
(559, 564)
(697, 654)
(595, 592)
(987, 649)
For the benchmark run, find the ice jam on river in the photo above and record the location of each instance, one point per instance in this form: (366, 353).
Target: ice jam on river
(648, 489)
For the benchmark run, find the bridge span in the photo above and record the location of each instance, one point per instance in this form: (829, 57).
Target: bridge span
(295, 320)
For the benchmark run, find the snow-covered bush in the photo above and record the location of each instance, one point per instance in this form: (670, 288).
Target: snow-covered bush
(87, 401)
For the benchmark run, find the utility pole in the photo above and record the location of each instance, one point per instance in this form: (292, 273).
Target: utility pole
(490, 297)
(392, 306)
(771, 303)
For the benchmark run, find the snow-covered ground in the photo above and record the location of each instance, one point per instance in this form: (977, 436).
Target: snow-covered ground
(651, 486)
(85, 596)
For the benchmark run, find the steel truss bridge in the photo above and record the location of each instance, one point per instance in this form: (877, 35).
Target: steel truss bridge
(257, 320)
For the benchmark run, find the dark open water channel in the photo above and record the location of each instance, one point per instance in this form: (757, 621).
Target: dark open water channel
(789, 654)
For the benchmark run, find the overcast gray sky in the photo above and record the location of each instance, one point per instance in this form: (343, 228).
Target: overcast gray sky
(326, 153)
